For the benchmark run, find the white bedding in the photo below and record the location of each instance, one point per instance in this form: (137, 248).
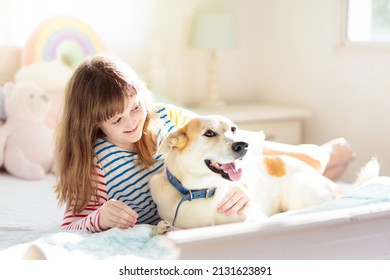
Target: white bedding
(28, 205)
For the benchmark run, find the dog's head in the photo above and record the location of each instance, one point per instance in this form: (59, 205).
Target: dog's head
(205, 146)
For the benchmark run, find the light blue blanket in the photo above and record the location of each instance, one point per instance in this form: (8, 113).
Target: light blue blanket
(138, 242)
(373, 192)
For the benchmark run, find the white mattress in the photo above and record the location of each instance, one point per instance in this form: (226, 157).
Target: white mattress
(28, 204)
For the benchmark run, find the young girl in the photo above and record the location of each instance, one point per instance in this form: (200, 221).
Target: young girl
(106, 149)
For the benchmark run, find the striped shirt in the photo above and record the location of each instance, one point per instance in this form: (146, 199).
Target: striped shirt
(120, 177)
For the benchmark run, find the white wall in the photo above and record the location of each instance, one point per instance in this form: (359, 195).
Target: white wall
(293, 52)
(302, 59)
(289, 52)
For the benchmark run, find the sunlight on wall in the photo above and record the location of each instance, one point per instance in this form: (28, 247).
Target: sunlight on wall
(150, 35)
(112, 20)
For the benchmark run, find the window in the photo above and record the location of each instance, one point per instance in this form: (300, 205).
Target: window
(368, 21)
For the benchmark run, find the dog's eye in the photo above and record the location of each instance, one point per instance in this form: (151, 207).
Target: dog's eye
(233, 129)
(209, 133)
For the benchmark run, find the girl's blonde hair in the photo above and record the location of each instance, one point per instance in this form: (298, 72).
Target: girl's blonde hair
(96, 92)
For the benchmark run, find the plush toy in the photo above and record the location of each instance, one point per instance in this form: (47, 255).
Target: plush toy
(26, 142)
(52, 77)
(2, 109)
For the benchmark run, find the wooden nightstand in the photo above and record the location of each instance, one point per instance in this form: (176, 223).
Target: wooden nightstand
(280, 123)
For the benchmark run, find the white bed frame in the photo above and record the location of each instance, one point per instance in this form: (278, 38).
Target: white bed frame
(358, 233)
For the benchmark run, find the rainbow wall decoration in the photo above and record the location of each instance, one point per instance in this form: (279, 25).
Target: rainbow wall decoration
(63, 37)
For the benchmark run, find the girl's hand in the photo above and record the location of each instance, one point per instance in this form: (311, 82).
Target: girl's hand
(235, 201)
(117, 214)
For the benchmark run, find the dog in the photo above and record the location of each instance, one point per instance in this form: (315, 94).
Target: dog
(209, 155)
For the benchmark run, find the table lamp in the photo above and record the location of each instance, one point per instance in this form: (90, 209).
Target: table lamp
(214, 31)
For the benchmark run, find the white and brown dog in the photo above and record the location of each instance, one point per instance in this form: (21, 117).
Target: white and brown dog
(209, 155)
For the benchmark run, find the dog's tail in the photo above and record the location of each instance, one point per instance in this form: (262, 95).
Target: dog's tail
(369, 171)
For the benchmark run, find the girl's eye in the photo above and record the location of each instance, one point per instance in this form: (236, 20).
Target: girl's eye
(116, 121)
(210, 133)
(136, 107)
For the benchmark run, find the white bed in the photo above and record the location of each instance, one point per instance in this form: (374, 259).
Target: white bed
(356, 226)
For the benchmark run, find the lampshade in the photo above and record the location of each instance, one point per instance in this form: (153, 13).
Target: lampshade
(214, 31)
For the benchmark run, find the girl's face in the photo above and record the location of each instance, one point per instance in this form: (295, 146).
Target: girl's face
(126, 128)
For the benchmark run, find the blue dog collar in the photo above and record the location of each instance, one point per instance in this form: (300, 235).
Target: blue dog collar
(188, 195)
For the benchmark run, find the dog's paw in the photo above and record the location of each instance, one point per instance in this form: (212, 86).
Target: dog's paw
(162, 228)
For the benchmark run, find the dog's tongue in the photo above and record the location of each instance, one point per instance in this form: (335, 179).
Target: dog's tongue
(232, 171)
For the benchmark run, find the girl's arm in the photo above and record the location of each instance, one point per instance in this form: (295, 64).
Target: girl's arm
(99, 215)
(88, 219)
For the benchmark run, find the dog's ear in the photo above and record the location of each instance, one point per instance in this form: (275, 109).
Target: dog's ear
(175, 140)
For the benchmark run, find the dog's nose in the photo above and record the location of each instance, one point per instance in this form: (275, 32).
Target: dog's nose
(240, 147)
